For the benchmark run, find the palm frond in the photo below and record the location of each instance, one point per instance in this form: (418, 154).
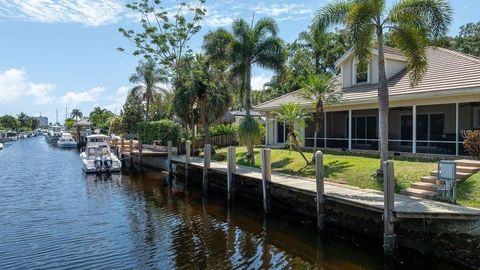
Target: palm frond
(265, 27)
(414, 46)
(270, 53)
(331, 15)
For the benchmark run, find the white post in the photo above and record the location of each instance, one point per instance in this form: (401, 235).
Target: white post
(231, 169)
(325, 131)
(350, 129)
(457, 127)
(414, 129)
(206, 165)
(266, 177)
(389, 237)
(320, 191)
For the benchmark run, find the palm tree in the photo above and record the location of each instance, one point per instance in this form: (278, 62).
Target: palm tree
(76, 113)
(148, 77)
(321, 90)
(411, 23)
(294, 118)
(254, 45)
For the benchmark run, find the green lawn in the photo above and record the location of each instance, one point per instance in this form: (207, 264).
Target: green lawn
(351, 170)
(469, 191)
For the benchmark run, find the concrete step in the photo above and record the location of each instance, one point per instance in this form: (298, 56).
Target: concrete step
(420, 193)
(467, 169)
(468, 163)
(429, 179)
(425, 186)
(460, 175)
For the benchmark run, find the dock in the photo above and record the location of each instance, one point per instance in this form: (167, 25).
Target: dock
(404, 207)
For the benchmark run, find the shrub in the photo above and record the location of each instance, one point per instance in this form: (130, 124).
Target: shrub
(250, 130)
(217, 130)
(471, 142)
(164, 130)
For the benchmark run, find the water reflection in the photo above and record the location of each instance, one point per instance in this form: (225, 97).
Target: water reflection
(52, 215)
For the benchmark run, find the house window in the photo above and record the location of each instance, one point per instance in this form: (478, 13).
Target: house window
(360, 72)
(364, 127)
(476, 117)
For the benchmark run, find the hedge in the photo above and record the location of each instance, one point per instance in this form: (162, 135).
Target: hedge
(164, 130)
(221, 129)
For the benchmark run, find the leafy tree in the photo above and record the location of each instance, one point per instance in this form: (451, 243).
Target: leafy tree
(164, 38)
(321, 90)
(116, 126)
(132, 111)
(76, 114)
(412, 23)
(23, 119)
(468, 40)
(209, 92)
(99, 117)
(148, 77)
(69, 122)
(294, 118)
(254, 45)
(9, 122)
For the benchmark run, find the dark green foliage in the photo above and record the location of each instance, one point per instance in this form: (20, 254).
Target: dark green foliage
(164, 130)
(132, 111)
(217, 130)
(249, 131)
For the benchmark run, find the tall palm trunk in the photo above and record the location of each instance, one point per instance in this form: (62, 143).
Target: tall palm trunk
(248, 106)
(318, 120)
(203, 116)
(383, 102)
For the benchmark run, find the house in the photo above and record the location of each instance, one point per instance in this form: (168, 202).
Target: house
(427, 118)
(239, 115)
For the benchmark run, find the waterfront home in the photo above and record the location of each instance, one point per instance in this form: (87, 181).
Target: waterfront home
(427, 118)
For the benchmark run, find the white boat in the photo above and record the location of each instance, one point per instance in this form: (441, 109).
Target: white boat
(66, 141)
(53, 134)
(97, 156)
(1, 146)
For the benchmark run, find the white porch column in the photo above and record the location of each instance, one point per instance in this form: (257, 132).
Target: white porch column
(456, 129)
(414, 129)
(267, 129)
(350, 129)
(325, 131)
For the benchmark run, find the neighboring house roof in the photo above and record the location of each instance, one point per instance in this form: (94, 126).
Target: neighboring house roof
(447, 70)
(243, 113)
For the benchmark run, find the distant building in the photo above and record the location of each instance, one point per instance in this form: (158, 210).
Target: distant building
(43, 121)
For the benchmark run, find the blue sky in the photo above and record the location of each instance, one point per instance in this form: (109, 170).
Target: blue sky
(63, 52)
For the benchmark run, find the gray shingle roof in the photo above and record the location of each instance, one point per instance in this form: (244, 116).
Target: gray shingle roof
(447, 70)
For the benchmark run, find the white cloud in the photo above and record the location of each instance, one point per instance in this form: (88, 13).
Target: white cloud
(258, 81)
(73, 98)
(14, 83)
(118, 99)
(277, 10)
(87, 12)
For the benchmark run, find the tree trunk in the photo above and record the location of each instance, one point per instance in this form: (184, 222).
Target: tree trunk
(203, 116)
(318, 120)
(317, 63)
(296, 144)
(383, 103)
(248, 106)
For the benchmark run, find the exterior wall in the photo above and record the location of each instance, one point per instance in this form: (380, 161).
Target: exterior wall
(392, 67)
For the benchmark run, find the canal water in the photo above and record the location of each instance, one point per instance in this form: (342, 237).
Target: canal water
(53, 216)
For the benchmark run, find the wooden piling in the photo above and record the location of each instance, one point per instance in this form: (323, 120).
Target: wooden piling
(266, 155)
(187, 160)
(389, 237)
(320, 191)
(231, 169)
(140, 154)
(169, 161)
(131, 152)
(206, 165)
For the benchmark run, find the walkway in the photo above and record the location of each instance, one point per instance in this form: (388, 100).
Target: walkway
(405, 206)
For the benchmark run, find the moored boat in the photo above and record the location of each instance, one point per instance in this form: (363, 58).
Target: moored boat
(66, 141)
(1, 146)
(97, 156)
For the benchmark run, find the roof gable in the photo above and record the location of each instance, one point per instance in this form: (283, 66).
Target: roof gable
(389, 52)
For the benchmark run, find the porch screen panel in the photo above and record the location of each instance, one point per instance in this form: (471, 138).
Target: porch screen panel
(310, 133)
(365, 129)
(400, 128)
(280, 132)
(469, 119)
(436, 132)
(337, 130)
